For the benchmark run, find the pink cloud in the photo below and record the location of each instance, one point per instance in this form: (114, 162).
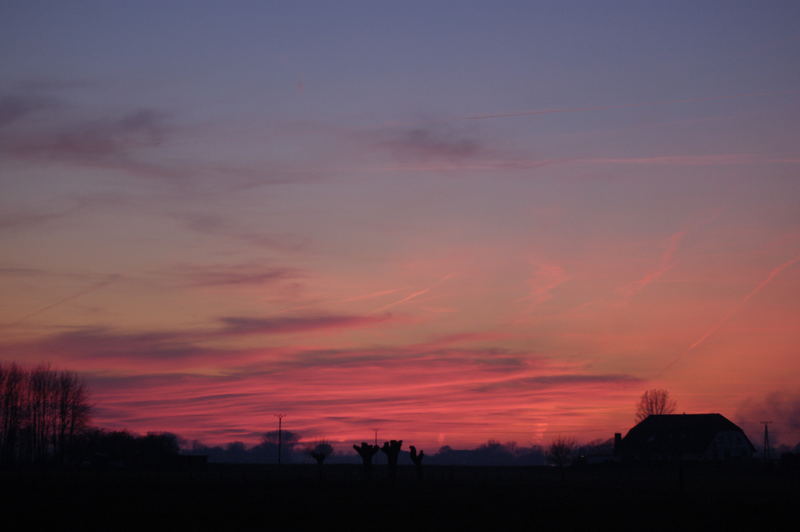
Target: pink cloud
(410, 395)
(166, 381)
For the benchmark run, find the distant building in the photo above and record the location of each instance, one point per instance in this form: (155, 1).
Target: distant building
(695, 437)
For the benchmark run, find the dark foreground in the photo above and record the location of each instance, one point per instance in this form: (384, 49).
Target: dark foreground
(295, 497)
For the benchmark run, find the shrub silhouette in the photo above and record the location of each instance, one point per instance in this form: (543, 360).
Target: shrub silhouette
(321, 451)
(366, 452)
(417, 459)
(392, 450)
(561, 452)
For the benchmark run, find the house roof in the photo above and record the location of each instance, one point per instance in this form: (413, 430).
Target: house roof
(683, 433)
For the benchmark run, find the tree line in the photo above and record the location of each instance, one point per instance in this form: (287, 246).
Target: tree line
(42, 412)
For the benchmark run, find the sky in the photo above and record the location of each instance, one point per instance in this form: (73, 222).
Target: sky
(445, 221)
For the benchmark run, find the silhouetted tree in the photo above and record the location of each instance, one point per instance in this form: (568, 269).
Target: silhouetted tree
(272, 440)
(123, 450)
(320, 451)
(561, 452)
(601, 448)
(654, 402)
(495, 453)
(392, 450)
(41, 413)
(490, 453)
(12, 411)
(417, 459)
(366, 451)
(72, 411)
(288, 437)
(159, 444)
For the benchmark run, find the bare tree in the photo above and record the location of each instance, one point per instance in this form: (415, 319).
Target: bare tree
(12, 411)
(366, 451)
(417, 459)
(654, 402)
(71, 411)
(392, 450)
(41, 412)
(320, 451)
(277, 442)
(561, 452)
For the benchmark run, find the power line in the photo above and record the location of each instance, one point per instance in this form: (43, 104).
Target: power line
(280, 434)
(767, 452)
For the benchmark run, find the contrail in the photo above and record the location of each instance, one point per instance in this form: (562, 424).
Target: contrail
(409, 297)
(536, 112)
(759, 287)
(772, 274)
(76, 295)
(417, 293)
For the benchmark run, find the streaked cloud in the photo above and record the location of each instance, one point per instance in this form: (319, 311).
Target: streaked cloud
(546, 277)
(106, 141)
(229, 228)
(17, 106)
(233, 274)
(654, 103)
(240, 325)
(425, 144)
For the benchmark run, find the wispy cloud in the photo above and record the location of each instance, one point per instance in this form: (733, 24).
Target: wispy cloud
(654, 103)
(234, 274)
(71, 297)
(681, 160)
(124, 140)
(242, 325)
(510, 164)
(174, 379)
(22, 219)
(415, 294)
(15, 107)
(546, 277)
(664, 265)
(570, 380)
(101, 141)
(20, 271)
(371, 295)
(176, 346)
(759, 287)
(223, 226)
(427, 144)
(341, 392)
(733, 311)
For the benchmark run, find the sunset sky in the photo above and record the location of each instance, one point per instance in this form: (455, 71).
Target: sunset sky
(448, 221)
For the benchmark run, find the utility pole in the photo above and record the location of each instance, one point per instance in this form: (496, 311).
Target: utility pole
(767, 452)
(280, 434)
(376, 436)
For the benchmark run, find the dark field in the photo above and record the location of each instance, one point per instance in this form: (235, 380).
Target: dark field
(295, 497)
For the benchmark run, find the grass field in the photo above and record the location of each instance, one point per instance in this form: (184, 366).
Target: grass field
(298, 497)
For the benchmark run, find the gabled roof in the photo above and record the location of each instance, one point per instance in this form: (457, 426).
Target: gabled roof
(677, 433)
